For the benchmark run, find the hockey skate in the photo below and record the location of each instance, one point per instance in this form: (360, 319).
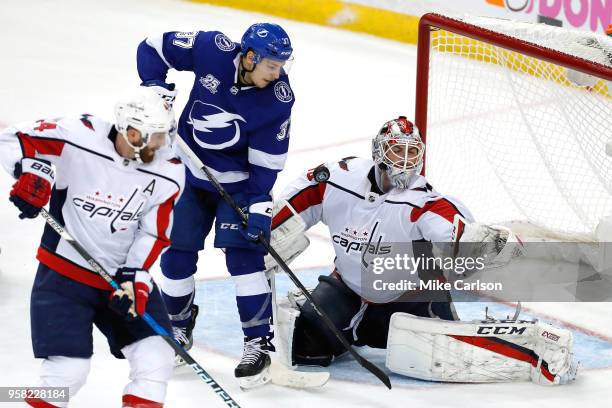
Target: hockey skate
(254, 367)
(184, 335)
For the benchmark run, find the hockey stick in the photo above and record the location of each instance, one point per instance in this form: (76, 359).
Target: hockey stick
(263, 241)
(53, 223)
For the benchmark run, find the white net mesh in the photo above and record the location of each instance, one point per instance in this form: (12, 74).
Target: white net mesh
(512, 136)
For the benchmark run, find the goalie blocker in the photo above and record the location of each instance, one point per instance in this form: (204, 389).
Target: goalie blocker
(287, 236)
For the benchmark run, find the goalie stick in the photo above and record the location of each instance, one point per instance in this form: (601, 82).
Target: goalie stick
(263, 241)
(57, 227)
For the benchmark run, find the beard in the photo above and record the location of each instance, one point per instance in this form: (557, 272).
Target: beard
(147, 154)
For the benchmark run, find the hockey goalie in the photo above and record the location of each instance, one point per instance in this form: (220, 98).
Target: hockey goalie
(364, 201)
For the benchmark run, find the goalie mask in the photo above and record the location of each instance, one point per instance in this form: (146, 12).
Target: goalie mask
(148, 113)
(398, 152)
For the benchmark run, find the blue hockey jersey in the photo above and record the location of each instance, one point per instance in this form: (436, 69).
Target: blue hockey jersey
(240, 133)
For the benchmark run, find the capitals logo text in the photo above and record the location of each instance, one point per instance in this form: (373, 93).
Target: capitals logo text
(119, 210)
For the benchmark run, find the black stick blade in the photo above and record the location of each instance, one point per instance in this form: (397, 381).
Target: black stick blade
(371, 367)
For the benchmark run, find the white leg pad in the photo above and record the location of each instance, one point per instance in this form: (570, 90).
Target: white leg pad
(60, 371)
(556, 364)
(286, 317)
(479, 351)
(151, 365)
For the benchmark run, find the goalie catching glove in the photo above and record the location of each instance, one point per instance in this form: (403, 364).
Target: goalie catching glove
(130, 301)
(498, 245)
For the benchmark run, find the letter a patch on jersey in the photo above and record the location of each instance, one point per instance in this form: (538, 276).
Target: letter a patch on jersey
(150, 188)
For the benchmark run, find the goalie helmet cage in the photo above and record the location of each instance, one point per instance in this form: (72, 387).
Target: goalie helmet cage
(516, 117)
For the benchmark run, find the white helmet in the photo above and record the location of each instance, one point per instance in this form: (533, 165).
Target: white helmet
(147, 112)
(394, 135)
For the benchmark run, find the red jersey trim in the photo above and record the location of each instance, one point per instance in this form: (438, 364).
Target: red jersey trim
(71, 270)
(442, 207)
(134, 401)
(31, 145)
(497, 346)
(308, 197)
(38, 403)
(304, 199)
(283, 215)
(162, 241)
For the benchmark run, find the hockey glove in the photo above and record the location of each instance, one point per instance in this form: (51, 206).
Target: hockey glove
(131, 300)
(260, 218)
(164, 90)
(32, 190)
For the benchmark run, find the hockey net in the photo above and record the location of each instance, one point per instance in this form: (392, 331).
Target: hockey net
(516, 117)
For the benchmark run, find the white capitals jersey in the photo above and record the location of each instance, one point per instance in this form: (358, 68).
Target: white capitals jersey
(118, 210)
(358, 217)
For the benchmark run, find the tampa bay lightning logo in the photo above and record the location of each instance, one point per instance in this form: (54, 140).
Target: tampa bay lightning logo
(283, 91)
(224, 43)
(214, 128)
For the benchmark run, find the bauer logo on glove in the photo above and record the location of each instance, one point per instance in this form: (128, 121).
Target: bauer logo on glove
(32, 190)
(131, 299)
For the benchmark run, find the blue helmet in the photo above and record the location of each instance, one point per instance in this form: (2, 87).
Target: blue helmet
(267, 40)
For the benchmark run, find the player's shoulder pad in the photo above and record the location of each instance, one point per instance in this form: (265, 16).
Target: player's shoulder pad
(85, 127)
(339, 169)
(168, 167)
(175, 160)
(216, 41)
(351, 164)
(420, 183)
(419, 193)
(283, 94)
(93, 123)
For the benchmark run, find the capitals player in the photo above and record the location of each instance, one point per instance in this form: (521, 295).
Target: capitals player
(237, 121)
(367, 204)
(113, 186)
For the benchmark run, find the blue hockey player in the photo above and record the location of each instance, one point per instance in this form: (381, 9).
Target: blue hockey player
(237, 121)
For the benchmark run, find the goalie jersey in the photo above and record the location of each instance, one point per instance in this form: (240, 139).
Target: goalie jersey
(361, 219)
(118, 210)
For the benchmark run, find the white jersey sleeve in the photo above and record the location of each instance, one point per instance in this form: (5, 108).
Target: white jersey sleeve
(306, 197)
(10, 150)
(42, 139)
(435, 219)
